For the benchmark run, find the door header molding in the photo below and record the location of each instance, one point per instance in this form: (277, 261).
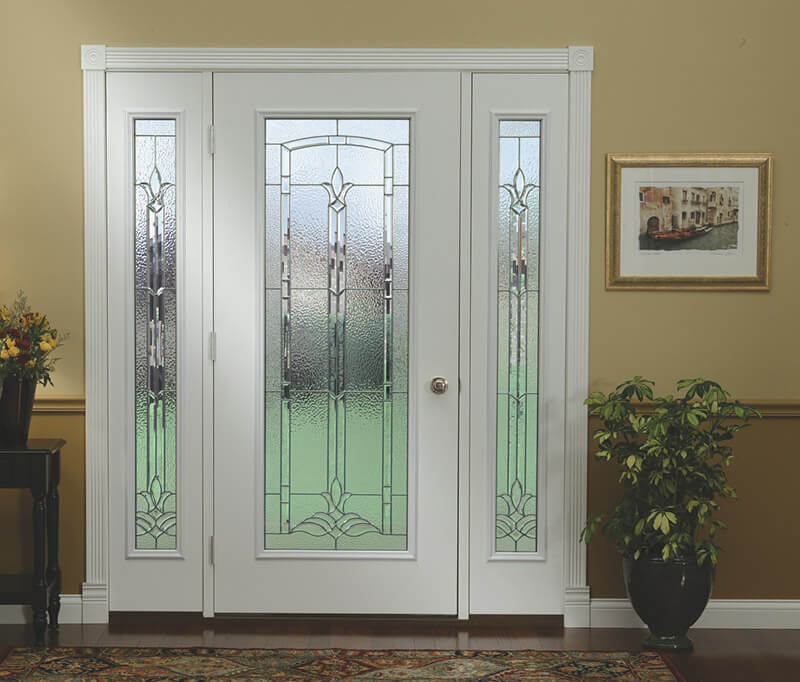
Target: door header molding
(559, 60)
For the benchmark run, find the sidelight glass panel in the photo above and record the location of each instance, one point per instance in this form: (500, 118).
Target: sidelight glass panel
(517, 336)
(336, 329)
(155, 348)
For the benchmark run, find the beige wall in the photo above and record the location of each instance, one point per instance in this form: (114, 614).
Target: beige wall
(739, 54)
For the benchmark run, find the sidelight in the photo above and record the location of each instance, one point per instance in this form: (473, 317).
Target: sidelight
(155, 308)
(517, 336)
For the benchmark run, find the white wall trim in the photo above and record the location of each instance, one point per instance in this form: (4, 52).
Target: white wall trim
(464, 340)
(578, 61)
(576, 591)
(96, 339)
(720, 613)
(17, 614)
(93, 57)
(268, 59)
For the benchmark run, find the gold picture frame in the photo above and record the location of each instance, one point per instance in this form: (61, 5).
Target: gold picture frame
(699, 222)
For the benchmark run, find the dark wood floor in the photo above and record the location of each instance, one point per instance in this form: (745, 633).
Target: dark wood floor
(724, 655)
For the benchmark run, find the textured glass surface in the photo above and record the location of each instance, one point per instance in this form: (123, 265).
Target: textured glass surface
(517, 336)
(336, 330)
(155, 310)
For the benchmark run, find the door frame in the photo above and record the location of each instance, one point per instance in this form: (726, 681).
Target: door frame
(576, 61)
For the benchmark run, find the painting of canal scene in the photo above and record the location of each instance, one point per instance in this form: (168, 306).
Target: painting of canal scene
(688, 218)
(698, 221)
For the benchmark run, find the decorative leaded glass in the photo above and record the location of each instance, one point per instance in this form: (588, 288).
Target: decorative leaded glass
(155, 310)
(336, 351)
(517, 336)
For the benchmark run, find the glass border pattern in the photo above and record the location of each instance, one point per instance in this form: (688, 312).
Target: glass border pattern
(155, 329)
(519, 161)
(313, 500)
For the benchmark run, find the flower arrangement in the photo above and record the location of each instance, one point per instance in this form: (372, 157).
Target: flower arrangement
(27, 342)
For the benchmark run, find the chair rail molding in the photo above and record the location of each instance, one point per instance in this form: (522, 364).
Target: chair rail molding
(576, 61)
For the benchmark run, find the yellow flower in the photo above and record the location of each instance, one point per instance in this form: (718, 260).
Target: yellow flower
(24, 322)
(3, 354)
(30, 363)
(13, 351)
(46, 347)
(10, 343)
(37, 318)
(45, 323)
(5, 314)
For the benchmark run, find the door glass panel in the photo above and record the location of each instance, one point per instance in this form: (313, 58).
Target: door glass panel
(517, 335)
(336, 334)
(155, 308)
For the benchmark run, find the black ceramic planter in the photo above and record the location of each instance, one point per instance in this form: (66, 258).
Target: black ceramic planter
(16, 407)
(669, 597)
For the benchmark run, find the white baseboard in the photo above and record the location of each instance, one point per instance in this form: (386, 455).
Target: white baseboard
(95, 602)
(720, 613)
(605, 613)
(577, 607)
(71, 612)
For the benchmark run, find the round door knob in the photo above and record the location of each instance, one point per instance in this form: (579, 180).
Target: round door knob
(439, 385)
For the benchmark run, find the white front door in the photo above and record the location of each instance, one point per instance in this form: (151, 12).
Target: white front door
(336, 267)
(301, 462)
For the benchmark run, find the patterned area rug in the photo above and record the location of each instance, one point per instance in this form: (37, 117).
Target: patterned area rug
(118, 663)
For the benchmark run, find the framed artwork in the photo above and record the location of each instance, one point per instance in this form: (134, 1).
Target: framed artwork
(688, 221)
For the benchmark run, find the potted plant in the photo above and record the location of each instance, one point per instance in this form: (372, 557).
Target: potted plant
(27, 342)
(672, 456)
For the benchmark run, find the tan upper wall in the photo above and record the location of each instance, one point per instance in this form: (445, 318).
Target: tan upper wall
(686, 75)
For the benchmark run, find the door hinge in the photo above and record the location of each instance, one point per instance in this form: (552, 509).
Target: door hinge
(211, 550)
(212, 346)
(212, 140)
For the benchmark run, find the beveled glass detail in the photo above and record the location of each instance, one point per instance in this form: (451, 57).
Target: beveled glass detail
(336, 334)
(517, 336)
(155, 346)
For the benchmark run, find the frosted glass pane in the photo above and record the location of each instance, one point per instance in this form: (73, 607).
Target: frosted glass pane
(387, 130)
(155, 126)
(336, 328)
(283, 130)
(509, 159)
(365, 239)
(312, 165)
(401, 238)
(308, 214)
(155, 334)
(519, 128)
(361, 165)
(401, 164)
(272, 164)
(517, 336)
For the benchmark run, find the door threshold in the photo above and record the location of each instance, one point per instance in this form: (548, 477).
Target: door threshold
(177, 618)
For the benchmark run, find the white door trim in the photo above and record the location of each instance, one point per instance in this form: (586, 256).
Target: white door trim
(576, 61)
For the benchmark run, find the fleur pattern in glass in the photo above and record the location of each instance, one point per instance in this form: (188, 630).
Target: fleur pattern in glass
(155, 309)
(517, 336)
(336, 349)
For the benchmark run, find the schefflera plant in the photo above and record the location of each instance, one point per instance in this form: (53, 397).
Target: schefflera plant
(672, 459)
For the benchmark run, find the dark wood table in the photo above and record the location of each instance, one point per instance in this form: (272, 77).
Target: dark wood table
(36, 466)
